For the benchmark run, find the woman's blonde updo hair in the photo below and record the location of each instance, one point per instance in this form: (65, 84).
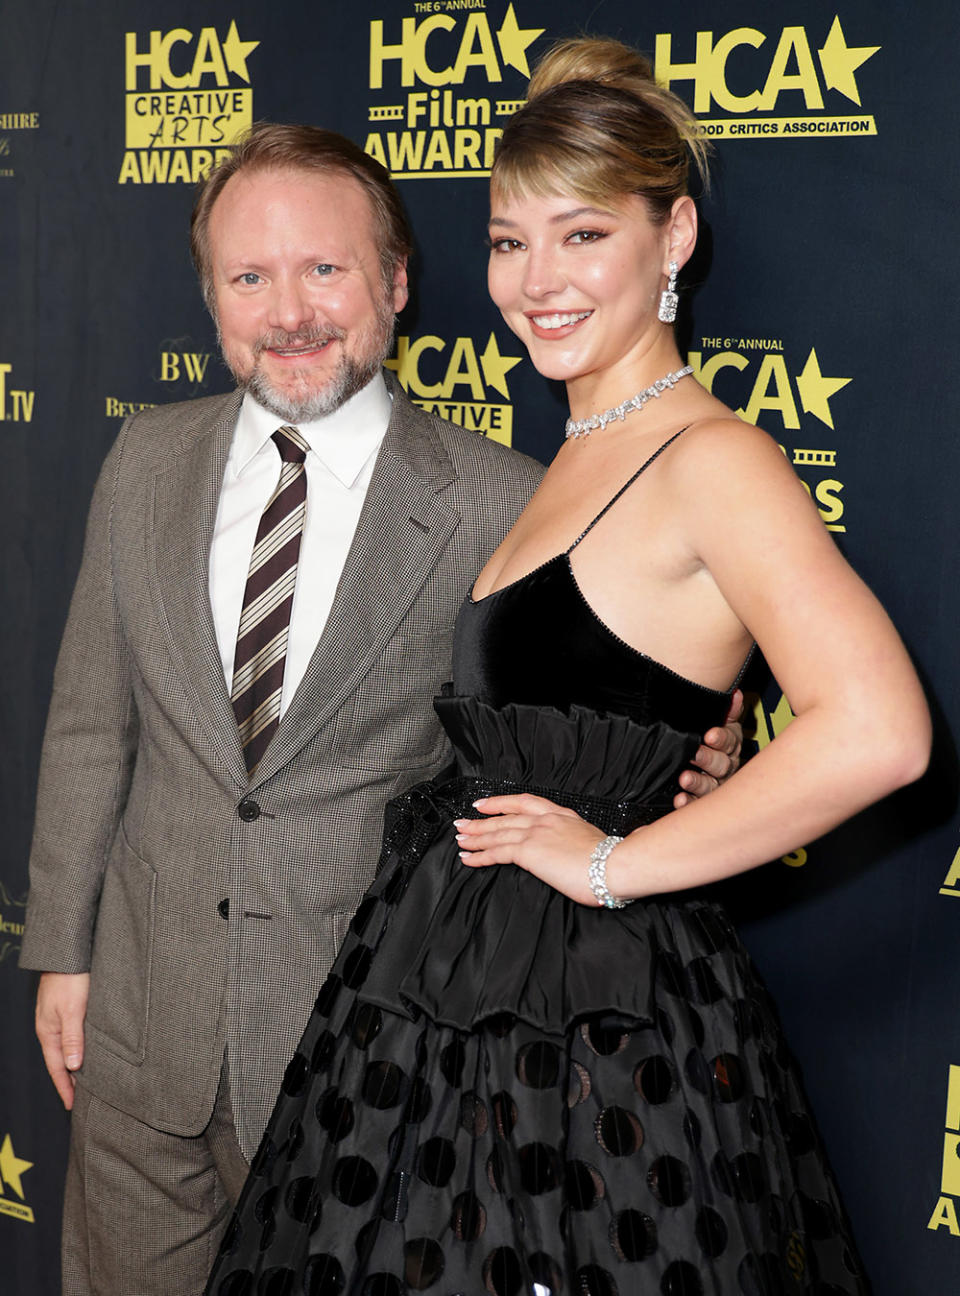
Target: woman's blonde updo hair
(596, 124)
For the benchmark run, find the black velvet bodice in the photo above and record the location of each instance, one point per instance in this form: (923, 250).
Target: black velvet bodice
(538, 641)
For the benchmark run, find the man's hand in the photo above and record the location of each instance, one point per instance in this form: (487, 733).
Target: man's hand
(718, 756)
(61, 1008)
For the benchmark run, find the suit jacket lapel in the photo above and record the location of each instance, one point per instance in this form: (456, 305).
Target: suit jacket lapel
(403, 530)
(186, 496)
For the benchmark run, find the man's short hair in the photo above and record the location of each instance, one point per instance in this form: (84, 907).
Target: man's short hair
(270, 146)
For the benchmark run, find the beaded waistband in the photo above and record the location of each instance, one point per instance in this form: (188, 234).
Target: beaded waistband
(454, 798)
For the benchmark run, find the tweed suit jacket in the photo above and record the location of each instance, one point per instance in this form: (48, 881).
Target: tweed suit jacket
(138, 836)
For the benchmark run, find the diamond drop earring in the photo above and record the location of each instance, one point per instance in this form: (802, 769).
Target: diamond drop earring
(668, 298)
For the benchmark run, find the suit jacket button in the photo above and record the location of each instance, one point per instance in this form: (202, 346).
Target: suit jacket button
(223, 908)
(248, 810)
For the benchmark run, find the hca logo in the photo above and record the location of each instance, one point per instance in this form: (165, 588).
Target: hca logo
(454, 383)
(773, 386)
(212, 61)
(454, 52)
(438, 133)
(722, 70)
(188, 98)
(790, 67)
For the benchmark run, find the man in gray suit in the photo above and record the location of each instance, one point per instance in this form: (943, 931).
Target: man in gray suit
(184, 908)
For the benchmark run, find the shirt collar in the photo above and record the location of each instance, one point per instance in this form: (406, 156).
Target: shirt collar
(342, 441)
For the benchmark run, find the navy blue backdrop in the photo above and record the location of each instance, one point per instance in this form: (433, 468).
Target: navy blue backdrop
(822, 304)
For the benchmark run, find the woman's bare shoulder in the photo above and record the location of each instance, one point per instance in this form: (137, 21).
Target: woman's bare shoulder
(721, 446)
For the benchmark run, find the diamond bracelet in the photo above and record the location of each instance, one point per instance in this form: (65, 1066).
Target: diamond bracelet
(598, 874)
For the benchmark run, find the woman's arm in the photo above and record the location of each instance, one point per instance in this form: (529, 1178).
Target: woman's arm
(862, 727)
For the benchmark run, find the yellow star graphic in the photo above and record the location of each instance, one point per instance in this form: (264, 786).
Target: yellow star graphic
(839, 62)
(815, 390)
(237, 52)
(12, 1167)
(496, 367)
(513, 41)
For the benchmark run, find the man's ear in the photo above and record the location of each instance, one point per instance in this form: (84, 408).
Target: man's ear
(401, 291)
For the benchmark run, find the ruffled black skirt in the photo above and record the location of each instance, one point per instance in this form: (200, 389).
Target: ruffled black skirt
(501, 1091)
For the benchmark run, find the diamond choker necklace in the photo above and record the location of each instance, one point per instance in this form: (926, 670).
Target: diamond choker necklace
(583, 427)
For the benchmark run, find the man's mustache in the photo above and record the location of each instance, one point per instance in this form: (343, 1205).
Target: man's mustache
(281, 340)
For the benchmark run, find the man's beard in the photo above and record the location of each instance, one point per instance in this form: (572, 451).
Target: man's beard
(352, 372)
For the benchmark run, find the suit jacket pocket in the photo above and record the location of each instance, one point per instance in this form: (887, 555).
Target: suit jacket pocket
(123, 953)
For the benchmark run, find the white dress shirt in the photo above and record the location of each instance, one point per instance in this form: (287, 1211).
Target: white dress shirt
(340, 463)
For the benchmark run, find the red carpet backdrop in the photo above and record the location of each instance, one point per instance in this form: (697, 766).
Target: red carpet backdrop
(822, 304)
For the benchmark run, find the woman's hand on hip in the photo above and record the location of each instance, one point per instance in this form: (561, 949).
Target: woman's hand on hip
(549, 841)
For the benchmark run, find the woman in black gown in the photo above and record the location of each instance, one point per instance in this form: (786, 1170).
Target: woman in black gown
(506, 1086)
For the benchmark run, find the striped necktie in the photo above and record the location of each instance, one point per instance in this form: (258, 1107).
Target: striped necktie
(265, 620)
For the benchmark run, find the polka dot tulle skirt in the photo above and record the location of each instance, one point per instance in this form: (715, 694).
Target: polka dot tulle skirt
(501, 1092)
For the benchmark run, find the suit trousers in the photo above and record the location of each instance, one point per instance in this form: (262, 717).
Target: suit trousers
(144, 1211)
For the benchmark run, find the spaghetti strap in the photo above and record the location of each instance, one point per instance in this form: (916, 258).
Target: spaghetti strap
(624, 488)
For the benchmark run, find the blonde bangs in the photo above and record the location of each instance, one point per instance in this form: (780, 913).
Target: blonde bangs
(598, 126)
